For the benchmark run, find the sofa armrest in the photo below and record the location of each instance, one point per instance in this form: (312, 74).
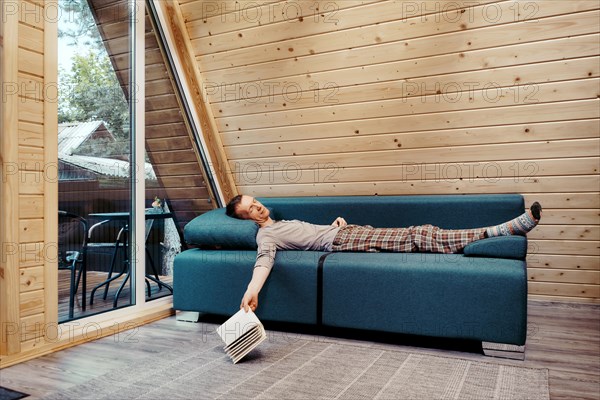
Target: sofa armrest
(513, 247)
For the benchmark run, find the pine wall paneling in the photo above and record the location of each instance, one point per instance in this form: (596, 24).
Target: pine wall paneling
(435, 97)
(32, 169)
(9, 277)
(29, 186)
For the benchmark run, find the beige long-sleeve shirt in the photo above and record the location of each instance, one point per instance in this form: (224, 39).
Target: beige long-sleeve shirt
(292, 235)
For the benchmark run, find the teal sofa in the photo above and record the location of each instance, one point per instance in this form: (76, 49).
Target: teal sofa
(478, 295)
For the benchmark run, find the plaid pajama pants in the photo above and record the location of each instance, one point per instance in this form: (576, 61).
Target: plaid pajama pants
(422, 238)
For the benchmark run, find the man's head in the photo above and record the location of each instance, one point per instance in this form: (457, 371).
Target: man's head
(231, 209)
(247, 207)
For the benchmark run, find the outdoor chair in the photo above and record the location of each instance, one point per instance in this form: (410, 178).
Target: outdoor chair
(72, 245)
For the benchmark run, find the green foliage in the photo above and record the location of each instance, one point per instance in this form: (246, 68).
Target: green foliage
(78, 25)
(90, 91)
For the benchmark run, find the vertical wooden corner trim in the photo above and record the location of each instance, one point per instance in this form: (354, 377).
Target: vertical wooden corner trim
(9, 179)
(51, 164)
(220, 165)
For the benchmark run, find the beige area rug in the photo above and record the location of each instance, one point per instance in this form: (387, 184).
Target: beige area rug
(285, 367)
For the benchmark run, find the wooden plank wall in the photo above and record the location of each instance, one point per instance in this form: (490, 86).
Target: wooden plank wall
(29, 196)
(168, 139)
(383, 97)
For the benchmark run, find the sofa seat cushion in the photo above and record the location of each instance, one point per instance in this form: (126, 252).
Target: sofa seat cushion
(214, 282)
(443, 295)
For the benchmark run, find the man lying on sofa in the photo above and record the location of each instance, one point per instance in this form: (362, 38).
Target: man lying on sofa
(340, 236)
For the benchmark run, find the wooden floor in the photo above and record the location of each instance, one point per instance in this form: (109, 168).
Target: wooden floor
(563, 337)
(100, 304)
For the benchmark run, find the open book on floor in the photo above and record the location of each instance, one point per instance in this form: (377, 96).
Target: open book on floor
(241, 333)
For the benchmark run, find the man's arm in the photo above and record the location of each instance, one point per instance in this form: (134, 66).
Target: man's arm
(250, 299)
(265, 259)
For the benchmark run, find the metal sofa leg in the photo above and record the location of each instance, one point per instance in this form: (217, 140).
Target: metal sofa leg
(188, 316)
(502, 350)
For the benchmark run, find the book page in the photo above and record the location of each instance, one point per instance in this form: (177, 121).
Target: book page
(237, 342)
(237, 325)
(249, 342)
(249, 348)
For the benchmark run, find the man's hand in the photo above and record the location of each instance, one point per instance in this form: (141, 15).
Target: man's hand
(250, 300)
(339, 221)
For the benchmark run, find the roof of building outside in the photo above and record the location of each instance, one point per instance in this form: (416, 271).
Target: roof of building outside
(105, 166)
(72, 134)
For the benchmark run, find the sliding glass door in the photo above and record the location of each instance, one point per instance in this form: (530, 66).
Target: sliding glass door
(95, 156)
(116, 200)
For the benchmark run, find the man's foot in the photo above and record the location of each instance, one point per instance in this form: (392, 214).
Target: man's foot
(536, 210)
(518, 226)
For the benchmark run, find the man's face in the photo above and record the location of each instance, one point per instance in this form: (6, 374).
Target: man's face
(250, 208)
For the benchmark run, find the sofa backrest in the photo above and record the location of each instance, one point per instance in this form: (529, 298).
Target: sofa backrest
(445, 211)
